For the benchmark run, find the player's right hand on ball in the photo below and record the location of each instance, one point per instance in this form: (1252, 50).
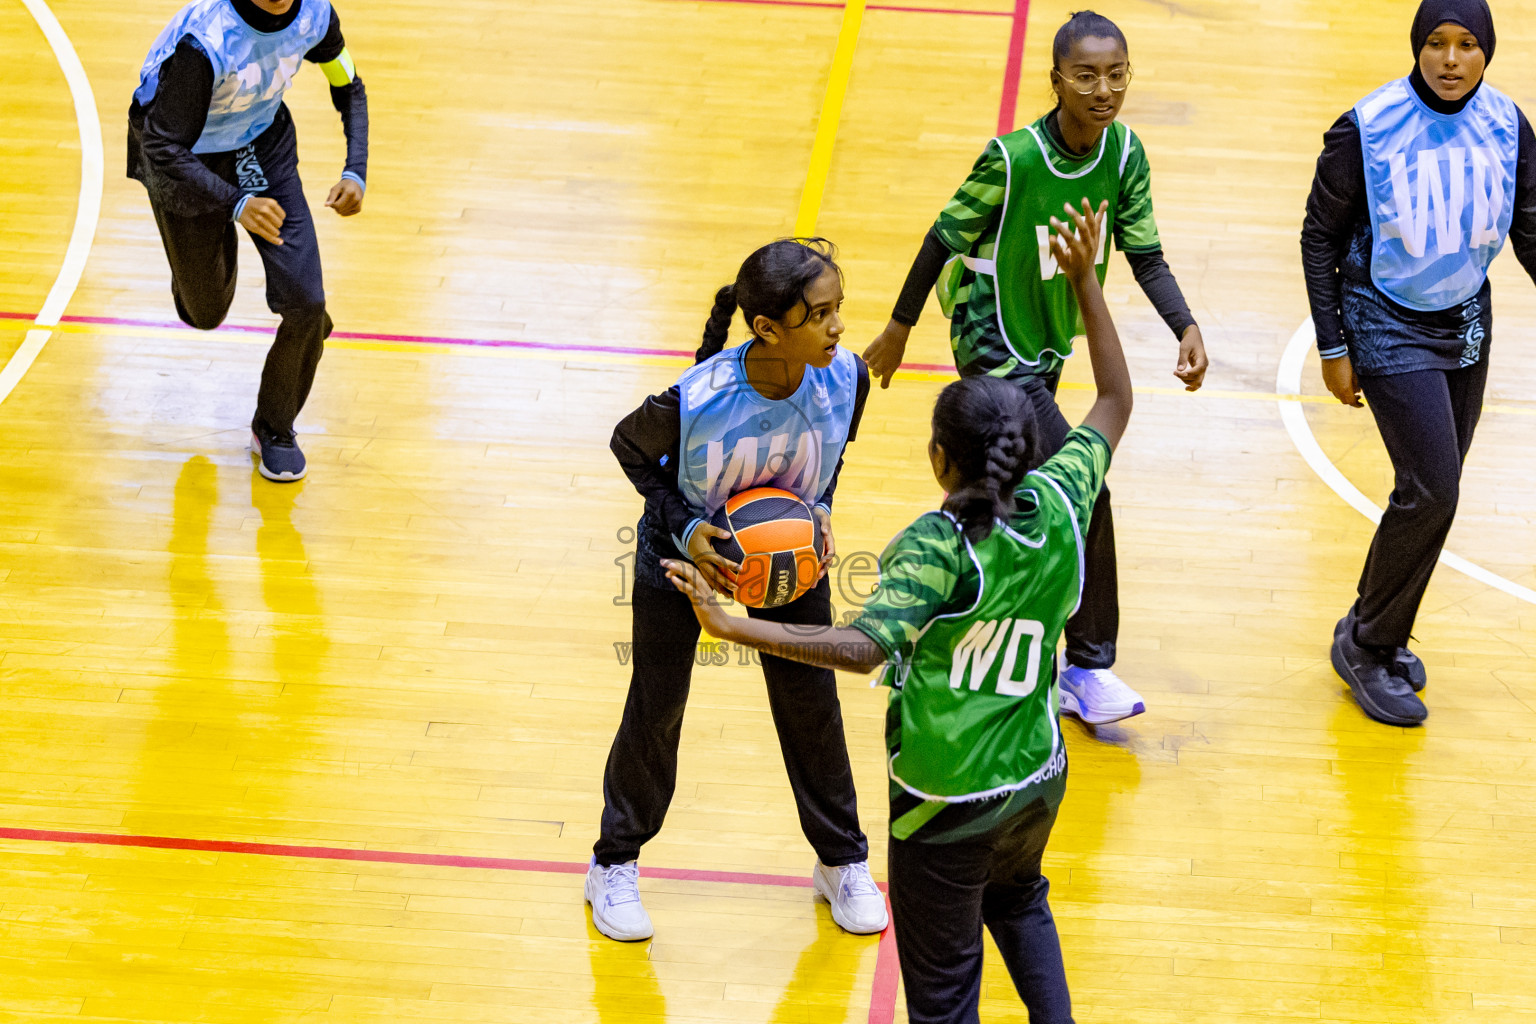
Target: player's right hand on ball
(1339, 376)
(883, 357)
(717, 569)
(264, 218)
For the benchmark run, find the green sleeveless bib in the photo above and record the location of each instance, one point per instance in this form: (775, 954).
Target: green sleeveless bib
(977, 698)
(1036, 310)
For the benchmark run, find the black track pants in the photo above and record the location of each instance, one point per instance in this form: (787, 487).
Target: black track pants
(1427, 419)
(942, 894)
(1093, 631)
(642, 764)
(202, 252)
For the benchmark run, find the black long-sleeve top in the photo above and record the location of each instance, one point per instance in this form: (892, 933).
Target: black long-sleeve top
(1149, 268)
(1350, 314)
(647, 443)
(164, 133)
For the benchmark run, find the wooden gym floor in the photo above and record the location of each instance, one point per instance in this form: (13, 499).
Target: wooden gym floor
(332, 752)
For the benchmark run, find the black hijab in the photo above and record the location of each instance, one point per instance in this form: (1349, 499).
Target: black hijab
(1472, 15)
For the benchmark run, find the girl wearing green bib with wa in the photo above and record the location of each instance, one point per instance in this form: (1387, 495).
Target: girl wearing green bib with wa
(972, 601)
(1014, 315)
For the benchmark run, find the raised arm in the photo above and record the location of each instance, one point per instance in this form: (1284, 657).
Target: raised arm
(1075, 248)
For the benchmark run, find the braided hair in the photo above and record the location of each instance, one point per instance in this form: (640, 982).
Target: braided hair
(772, 282)
(988, 429)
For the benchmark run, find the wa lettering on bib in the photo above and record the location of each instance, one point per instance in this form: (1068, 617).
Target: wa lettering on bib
(1036, 309)
(1447, 175)
(732, 438)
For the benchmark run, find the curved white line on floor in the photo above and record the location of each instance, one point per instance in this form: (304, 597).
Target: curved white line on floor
(88, 209)
(1288, 382)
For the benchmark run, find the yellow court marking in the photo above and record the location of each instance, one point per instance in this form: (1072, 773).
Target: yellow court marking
(831, 114)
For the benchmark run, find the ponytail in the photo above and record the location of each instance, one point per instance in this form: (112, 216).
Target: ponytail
(718, 327)
(989, 430)
(1081, 25)
(772, 282)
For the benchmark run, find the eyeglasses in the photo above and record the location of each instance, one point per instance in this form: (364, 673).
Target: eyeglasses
(1085, 83)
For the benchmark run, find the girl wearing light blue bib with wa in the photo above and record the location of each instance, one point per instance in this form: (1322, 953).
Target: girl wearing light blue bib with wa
(214, 145)
(1418, 188)
(776, 411)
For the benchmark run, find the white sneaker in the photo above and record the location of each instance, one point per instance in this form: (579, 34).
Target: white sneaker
(614, 893)
(858, 905)
(1097, 695)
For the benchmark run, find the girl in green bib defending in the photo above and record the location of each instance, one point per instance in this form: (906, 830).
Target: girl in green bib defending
(1013, 314)
(972, 601)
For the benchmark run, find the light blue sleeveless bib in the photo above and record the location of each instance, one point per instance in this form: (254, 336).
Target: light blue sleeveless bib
(1440, 189)
(251, 69)
(732, 438)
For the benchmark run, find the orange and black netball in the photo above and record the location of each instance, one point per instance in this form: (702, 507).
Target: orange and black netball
(777, 542)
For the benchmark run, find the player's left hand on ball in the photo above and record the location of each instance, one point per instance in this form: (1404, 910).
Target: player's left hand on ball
(706, 605)
(828, 545)
(1192, 359)
(346, 197)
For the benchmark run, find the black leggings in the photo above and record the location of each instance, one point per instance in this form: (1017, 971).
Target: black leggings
(1427, 419)
(1094, 630)
(642, 764)
(942, 894)
(203, 251)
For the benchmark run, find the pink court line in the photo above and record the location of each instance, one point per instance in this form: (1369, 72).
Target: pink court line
(419, 339)
(882, 1009)
(413, 339)
(836, 5)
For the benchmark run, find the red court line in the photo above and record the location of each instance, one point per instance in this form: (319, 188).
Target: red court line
(1010, 103)
(882, 994)
(414, 339)
(882, 1008)
(837, 5)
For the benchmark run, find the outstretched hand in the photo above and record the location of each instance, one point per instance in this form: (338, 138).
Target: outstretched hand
(883, 356)
(712, 616)
(1076, 245)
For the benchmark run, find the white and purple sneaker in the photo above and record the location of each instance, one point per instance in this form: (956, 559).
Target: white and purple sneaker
(1097, 695)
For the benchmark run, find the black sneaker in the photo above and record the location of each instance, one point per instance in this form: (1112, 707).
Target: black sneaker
(1405, 664)
(1408, 666)
(1381, 693)
(277, 456)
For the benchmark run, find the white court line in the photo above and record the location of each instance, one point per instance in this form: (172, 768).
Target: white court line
(88, 210)
(1288, 382)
